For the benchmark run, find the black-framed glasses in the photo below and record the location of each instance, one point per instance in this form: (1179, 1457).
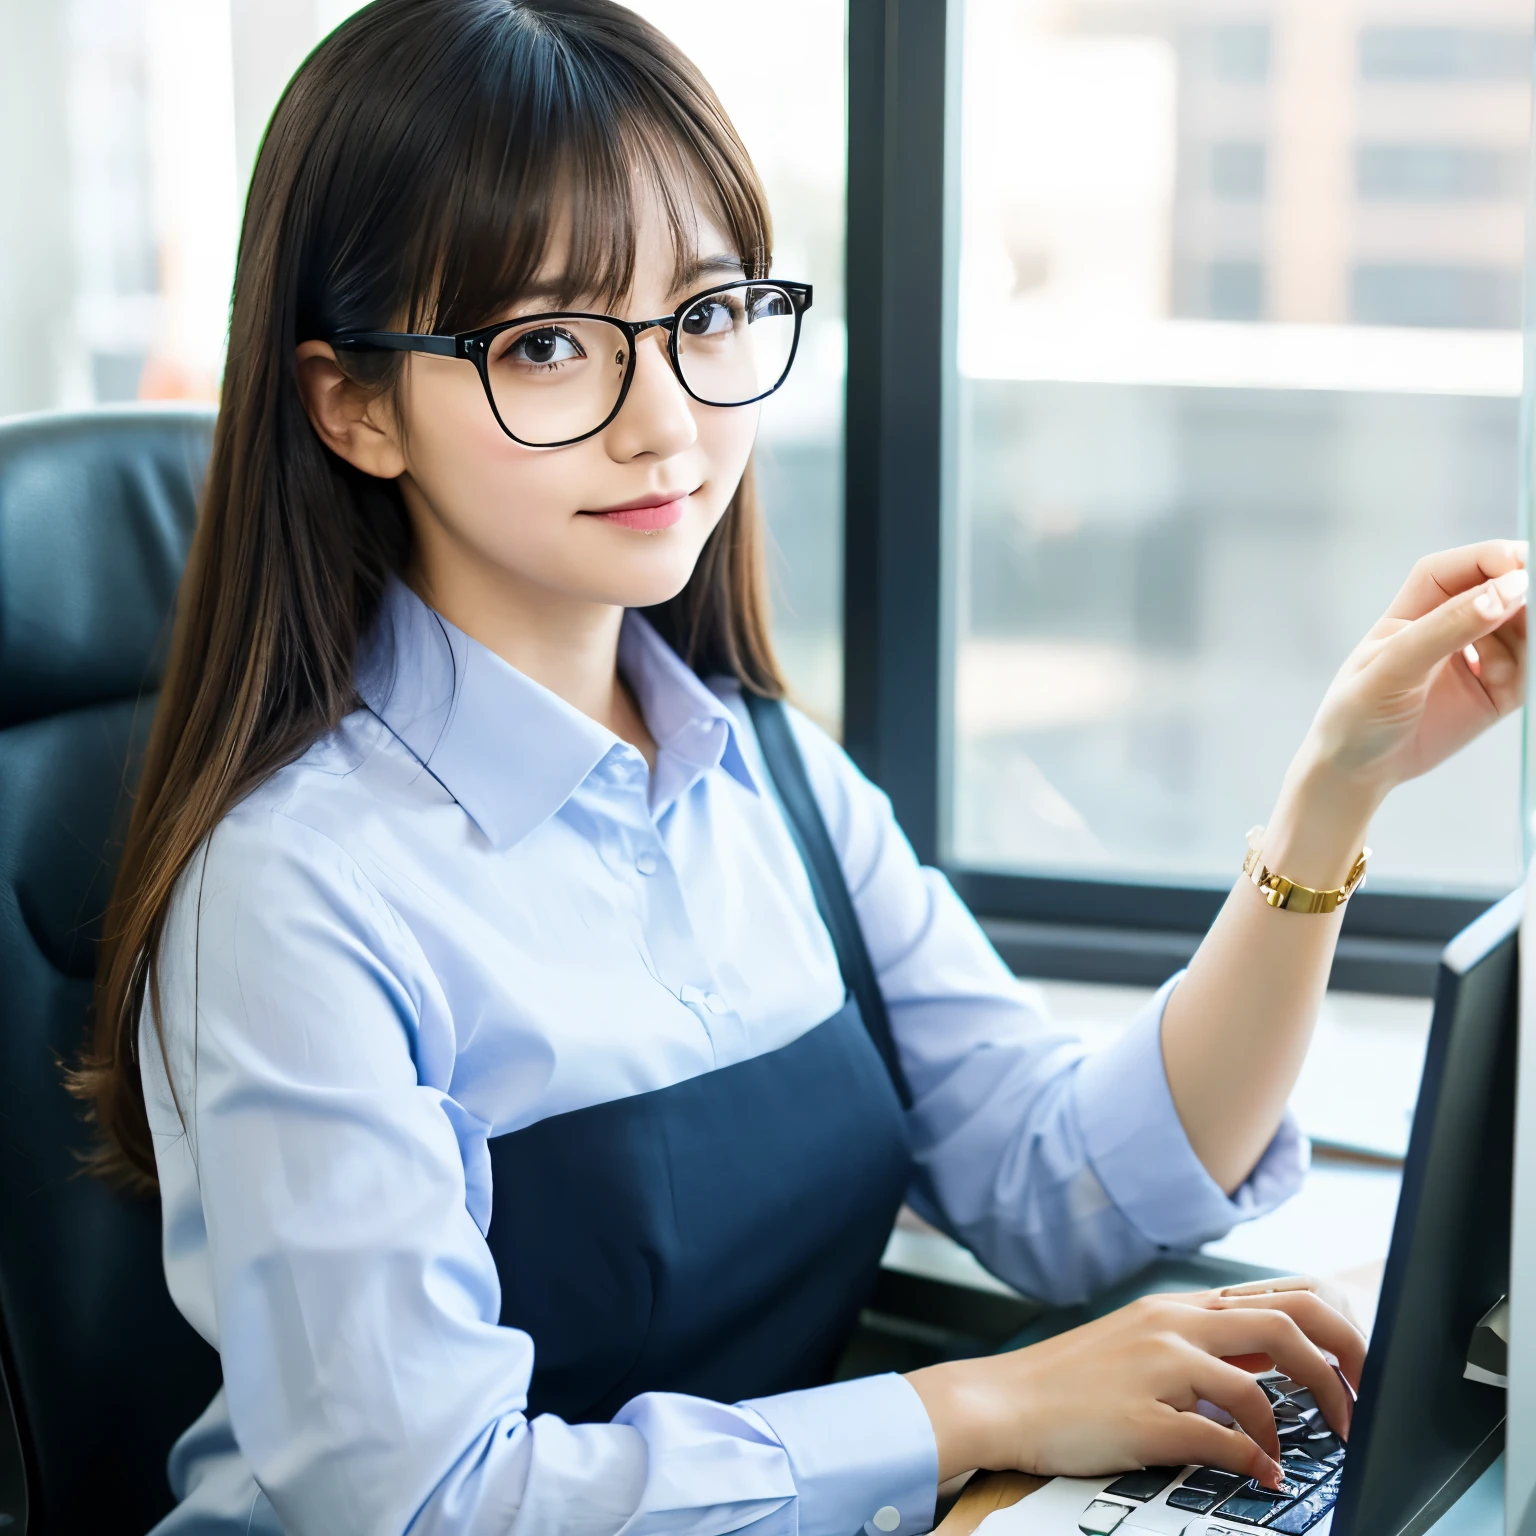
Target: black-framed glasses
(556, 379)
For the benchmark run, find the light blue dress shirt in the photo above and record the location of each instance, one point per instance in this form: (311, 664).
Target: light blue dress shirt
(470, 907)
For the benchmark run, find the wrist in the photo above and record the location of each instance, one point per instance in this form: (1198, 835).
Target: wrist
(962, 1426)
(1320, 822)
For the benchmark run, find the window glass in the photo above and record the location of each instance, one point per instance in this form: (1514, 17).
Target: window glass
(1237, 341)
(114, 282)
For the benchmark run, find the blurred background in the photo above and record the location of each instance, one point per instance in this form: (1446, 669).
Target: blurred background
(1238, 339)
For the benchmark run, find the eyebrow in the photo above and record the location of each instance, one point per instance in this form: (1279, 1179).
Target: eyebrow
(723, 263)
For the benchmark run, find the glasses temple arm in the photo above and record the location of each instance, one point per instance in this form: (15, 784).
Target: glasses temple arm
(397, 341)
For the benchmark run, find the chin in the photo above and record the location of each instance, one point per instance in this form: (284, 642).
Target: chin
(646, 583)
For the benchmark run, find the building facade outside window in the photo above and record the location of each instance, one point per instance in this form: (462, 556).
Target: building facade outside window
(1237, 340)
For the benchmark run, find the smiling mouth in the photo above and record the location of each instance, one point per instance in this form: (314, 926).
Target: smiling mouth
(647, 514)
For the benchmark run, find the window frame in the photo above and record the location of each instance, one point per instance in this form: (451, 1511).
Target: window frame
(904, 58)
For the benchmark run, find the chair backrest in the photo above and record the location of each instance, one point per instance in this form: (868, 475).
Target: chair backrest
(96, 511)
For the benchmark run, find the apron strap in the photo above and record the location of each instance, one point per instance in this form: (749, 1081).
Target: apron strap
(830, 888)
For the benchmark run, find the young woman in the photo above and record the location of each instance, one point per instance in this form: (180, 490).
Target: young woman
(486, 1026)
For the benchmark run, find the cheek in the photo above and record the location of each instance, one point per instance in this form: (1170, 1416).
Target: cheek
(473, 474)
(726, 438)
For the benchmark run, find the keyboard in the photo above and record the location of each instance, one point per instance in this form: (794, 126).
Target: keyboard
(1311, 1454)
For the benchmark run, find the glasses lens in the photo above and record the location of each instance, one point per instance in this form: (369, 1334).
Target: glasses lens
(736, 345)
(554, 380)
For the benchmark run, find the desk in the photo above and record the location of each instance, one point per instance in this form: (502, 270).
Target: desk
(1478, 1512)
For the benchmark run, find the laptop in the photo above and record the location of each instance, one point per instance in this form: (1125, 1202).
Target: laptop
(1430, 1415)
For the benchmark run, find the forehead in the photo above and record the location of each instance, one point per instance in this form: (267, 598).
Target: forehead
(679, 240)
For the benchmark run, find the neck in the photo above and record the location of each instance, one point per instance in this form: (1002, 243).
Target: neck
(569, 646)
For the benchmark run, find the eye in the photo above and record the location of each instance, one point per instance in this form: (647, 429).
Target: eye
(770, 304)
(544, 347)
(716, 316)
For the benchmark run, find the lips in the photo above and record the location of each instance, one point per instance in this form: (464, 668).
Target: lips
(648, 513)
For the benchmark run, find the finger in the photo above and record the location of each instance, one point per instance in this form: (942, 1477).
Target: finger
(1442, 575)
(1247, 1326)
(1237, 1393)
(1406, 659)
(1272, 1286)
(1322, 1322)
(1499, 664)
(1176, 1439)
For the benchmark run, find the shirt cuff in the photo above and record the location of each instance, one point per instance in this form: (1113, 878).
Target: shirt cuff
(1142, 1156)
(862, 1454)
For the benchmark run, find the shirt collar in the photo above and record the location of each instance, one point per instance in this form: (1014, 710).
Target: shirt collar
(509, 750)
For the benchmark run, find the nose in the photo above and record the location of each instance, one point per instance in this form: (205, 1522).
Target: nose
(657, 415)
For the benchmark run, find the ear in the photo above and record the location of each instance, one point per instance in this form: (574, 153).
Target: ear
(351, 421)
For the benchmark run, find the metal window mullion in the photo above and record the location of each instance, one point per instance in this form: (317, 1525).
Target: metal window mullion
(899, 246)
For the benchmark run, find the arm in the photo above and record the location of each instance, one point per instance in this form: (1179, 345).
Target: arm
(1238, 1025)
(325, 1204)
(1061, 1171)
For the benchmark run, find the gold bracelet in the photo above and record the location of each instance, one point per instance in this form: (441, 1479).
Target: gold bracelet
(1286, 896)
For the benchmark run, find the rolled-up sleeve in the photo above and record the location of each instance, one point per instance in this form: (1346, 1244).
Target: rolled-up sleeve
(1063, 1171)
(1136, 1144)
(324, 1213)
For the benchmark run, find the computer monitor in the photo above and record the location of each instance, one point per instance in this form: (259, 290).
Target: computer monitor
(1520, 1459)
(1424, 1430)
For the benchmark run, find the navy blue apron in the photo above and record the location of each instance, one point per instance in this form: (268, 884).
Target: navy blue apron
(717, 1237)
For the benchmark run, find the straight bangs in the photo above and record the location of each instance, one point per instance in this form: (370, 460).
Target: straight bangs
(555, 136)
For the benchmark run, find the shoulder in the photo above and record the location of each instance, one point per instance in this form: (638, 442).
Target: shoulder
(857, 812)
(294, 843)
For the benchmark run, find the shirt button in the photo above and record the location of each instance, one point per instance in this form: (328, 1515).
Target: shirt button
(646, 863)
(716, 1004)
(887, 1518)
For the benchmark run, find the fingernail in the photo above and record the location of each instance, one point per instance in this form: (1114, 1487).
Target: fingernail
(1470, 656)
(1488, 602)
(1512, 584)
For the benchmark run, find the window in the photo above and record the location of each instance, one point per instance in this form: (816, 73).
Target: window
(1237, 171)
(1447, 52)
(1439, 173)
(1429, 293)
(115, 283)
(1210, 367)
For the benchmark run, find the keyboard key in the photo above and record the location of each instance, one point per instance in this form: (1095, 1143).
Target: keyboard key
(1302, 1397)
(1299, 1464)
(1250, 1506)
(1196, 1499)
(1306, 1512)
(1273, 1390)
(1320, 1444)
(1146, 1484)
(1294, 1434)
(1290, 1487)
(1101, 1517)
(1211, 1480)
(1286, 1412)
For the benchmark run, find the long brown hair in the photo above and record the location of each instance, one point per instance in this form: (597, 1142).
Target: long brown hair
(410, 178)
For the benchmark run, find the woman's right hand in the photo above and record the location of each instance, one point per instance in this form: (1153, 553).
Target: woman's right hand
(1122, 1392)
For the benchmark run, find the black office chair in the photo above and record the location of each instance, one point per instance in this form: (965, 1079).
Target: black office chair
(96, 511)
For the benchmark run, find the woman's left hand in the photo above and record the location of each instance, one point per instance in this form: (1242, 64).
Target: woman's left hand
(1444, 662)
